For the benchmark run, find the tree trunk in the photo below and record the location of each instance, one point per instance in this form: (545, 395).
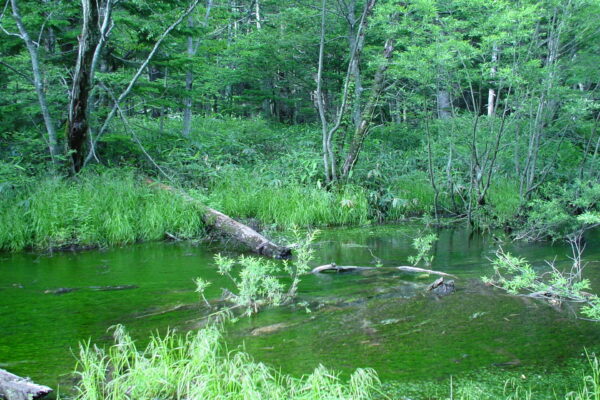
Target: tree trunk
(491, 91)
(227, 225)
(362, 129)
(351, 268)
(257, 13)
(444, 106)
(82, 83)
(13, 387)
(329, 158)
(189, 81)
(137, 75)
(37, 81)
(355, 62)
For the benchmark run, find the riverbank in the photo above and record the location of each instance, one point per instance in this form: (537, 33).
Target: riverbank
(114, 207)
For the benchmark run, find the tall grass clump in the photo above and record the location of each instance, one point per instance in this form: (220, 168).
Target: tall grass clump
(198, 367)
(94, 210)
(505, 199)
(413, 196)
(243, 195)
(590, 387)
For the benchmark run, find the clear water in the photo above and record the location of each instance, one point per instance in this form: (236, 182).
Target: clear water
(378, 319)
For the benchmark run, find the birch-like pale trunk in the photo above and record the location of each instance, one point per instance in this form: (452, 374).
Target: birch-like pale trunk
(319, 99)
(189, 82)
(491, 108)
(137, 75)
(257, 13)
(38, 82)
(444, 104)
(329, 156)
(362, 130)
(355, 65)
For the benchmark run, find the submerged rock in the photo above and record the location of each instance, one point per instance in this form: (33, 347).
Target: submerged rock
(441, 287)
(265, 330)
(62, 290)
(109, 288)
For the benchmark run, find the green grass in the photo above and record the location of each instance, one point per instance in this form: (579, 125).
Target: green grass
(243, 195)
(94, 210)
(414, 196)
(197, 366)
(503, 195)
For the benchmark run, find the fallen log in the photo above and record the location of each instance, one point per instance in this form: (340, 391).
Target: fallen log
(349, 268)
(13, 387)
(232, 228)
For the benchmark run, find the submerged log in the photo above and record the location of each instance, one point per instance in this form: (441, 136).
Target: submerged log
(232, 228)
(425, 271)
(349, 268)
(113, 288)
(13, 387)
(338, 268)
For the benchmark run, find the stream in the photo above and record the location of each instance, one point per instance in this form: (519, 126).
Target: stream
(379, 319)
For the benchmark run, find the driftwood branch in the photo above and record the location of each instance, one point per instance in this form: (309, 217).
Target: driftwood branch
(13, 387)
(349, 268)
(232, 228)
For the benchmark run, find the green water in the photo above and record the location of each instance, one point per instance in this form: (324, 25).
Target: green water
(377, 319)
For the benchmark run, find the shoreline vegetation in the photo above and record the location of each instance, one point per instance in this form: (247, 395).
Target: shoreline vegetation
(198, 366)
(266, 172)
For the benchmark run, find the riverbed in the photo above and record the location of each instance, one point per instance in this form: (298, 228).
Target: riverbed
(382, 319)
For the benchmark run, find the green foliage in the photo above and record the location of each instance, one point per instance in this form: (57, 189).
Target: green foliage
(505, 200)
(590, 387)
(512, 274)
(256, 282)
(262, 282)
(564, 211)
(517, 276)
(592, 309)
(95, 210)
(423, 245)
(201, 286)
(198, 366)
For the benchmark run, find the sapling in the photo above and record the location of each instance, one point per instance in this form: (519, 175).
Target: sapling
(201, 286)
(260, 281)
(518, 277)
(423, 245)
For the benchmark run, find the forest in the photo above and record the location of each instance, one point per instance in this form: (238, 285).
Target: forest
(456, 138)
